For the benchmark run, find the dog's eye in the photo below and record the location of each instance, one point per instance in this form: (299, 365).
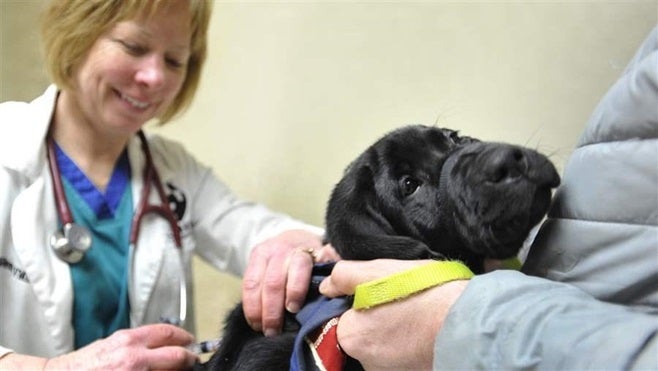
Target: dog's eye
(409, 185)
(459, 140)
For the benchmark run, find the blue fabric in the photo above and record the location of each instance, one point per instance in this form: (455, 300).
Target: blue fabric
(315, 313)
(103, 205)
(100, 300)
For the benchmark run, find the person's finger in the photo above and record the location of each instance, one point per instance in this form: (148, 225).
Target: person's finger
(274, 283)
(342, 281)
(329, 289)
(299, 274)
(346, 337)
(170, 358)
(131, 349)
(251, 288)
(327, 253)
(346, 274)
(157, 335)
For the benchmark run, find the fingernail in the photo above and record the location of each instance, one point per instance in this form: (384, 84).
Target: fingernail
(257, 326)
(292, 307)
(322, 288)
(270, 332)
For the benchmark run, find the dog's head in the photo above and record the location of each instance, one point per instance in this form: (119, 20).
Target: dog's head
(423, 192)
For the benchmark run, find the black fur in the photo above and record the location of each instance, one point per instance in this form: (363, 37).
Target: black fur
(418, 192)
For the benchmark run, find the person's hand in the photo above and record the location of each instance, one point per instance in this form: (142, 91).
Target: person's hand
(398, 335)
(278, 275)
(149, 347)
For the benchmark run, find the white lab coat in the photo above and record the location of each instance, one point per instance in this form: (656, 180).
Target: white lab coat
(36, 292)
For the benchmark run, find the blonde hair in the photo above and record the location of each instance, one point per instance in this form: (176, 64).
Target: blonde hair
(69, 28)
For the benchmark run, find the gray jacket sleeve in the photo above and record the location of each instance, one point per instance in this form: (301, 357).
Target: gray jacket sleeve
(588, 294)
(507, 321)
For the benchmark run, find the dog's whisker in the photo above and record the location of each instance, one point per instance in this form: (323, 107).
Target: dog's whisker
(443, 114)
(533, 135)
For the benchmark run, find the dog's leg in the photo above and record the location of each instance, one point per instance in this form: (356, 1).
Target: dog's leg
(243, 348)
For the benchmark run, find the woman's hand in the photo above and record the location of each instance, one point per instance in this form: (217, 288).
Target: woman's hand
(278, 276)
(398, 335)
(149, 347)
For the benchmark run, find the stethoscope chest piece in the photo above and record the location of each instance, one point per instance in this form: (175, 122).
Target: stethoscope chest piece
(71, 243)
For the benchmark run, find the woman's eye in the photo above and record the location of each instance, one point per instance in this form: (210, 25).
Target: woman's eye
(138, 50)
(409, 185)
(134, 49)
(174, 63)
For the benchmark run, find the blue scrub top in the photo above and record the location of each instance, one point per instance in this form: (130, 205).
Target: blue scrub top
(100, 300)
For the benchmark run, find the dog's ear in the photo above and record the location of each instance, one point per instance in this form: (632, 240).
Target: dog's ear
(356, 227)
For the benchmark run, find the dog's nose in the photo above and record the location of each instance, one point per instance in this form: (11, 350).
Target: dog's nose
(505, 164)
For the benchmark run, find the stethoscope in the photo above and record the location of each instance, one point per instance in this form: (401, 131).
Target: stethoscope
(72, 242)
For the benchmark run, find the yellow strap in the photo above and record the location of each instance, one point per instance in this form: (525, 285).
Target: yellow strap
(403, 284)
(512, 264)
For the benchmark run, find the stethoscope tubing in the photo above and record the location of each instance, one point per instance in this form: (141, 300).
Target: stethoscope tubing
(151, 178)
(62, 204)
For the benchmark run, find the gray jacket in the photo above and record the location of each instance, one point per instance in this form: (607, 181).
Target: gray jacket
(596, 305)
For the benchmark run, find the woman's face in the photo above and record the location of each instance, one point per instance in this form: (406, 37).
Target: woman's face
(134, 71)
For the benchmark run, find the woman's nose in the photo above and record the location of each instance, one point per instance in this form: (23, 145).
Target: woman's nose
(151, 72)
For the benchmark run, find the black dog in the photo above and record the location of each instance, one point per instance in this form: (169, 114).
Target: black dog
(419, 192)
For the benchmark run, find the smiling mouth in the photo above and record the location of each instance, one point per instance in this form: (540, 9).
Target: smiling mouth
(134, 102)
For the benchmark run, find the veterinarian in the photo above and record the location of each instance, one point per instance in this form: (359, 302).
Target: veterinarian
(80, 181)
(588, 294)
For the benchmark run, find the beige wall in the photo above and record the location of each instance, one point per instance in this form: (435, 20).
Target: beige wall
(294, 90)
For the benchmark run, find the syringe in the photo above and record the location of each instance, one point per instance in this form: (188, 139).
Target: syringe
(207, 346)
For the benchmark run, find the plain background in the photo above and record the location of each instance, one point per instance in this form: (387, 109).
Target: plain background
(293, 91)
